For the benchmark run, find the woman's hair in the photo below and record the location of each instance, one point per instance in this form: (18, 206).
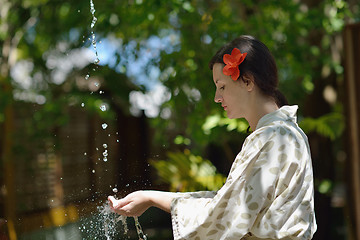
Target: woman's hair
(258, 62)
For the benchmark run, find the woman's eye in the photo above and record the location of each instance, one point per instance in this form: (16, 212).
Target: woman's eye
(222, 88)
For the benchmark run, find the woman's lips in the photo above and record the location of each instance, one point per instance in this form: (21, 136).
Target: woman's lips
(225, 107)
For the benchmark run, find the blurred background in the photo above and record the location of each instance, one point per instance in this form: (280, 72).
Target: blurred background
(74, 130)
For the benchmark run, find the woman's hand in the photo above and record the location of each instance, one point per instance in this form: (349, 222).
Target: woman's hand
(136, 203)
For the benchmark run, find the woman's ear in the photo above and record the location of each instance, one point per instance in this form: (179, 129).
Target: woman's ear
(249, 81)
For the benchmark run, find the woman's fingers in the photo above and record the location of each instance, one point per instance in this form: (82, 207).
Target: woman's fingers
(120, 206)
(134, 204)
(112, 201)
(117, 203)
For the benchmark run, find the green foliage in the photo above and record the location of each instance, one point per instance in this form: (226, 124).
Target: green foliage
(324, 186)
(216, 120)
(330, 125)
(188, 172)
(299, 34)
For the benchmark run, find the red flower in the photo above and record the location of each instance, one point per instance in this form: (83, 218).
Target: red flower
(232, 63)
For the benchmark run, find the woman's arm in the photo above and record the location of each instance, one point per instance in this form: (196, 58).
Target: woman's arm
(136, 203)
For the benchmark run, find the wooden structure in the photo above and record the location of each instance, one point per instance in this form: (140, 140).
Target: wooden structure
(61, 178)
(352, 103)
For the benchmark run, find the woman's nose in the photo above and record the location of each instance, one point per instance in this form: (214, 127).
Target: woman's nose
(217, 98)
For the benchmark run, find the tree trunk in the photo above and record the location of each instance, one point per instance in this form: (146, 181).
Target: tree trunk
(352, 104)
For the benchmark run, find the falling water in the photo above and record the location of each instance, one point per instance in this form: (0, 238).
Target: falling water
(139, 231)
(108, 218)
(93, 40)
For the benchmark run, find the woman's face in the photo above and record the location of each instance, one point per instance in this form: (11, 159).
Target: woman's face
(232, 95)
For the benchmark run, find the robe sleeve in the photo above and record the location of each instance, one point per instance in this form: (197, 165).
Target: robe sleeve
(199, 194)
(262, 177)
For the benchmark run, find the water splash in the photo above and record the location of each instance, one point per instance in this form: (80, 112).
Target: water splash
(111, 225)
(109, 221)
(104, 224)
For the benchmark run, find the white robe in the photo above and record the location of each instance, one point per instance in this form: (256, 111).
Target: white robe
(268, 194)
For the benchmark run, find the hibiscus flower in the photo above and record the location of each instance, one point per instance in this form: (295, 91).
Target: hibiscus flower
(232, 63)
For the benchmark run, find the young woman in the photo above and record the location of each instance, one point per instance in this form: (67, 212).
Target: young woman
(269, 191)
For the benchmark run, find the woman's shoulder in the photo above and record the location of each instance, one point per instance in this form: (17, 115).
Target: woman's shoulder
(280, 131)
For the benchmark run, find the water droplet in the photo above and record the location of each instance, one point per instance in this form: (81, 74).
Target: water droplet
(104, 125)
(103, 107)
(79, 10)
(115, 190)
(93, 171)
(87, 76)
(96, 84)
(101, 92)
(105, 145)
(82, 104)
(97, 60)
(117, 140)
(85, 153)
(105, 159)
(127, 185)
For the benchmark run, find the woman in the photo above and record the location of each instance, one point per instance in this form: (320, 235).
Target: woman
(269, 191)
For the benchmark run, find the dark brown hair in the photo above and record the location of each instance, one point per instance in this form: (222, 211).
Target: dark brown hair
(258, 62)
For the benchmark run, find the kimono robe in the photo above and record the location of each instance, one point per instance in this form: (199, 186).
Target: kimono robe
(268, 193)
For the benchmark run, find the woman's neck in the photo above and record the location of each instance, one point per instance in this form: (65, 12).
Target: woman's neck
(260, 109)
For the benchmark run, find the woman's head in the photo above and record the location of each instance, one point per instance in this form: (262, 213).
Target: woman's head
(258, 63)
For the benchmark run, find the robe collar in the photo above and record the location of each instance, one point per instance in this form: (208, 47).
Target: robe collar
(285, 113)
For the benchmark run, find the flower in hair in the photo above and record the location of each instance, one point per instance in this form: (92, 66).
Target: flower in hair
(232, 63)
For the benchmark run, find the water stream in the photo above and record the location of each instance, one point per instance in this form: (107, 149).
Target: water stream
(109, 219)
(139, 231)
(93, 39)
